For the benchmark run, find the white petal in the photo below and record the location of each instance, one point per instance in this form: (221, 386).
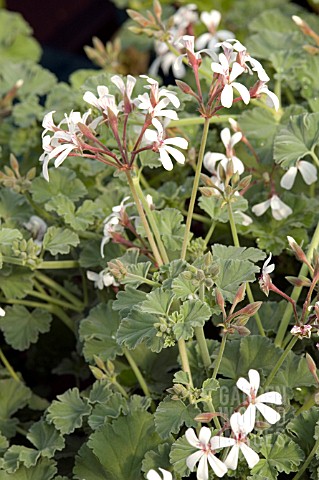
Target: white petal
(118, 81)
(308, 172)
(261, 208)
(243, 91)
(179, 156)
(152, 475)
(251, 457)
(192, 459)
(273, 97)
(243, 385)
(177, 141)
(232, 458)
(217, 68)
(159, 127)
(217, 465)
(102, 90)
(2, 312)
(227, 96)
(221, 442)
(192, 438)
(236, 71)
(268, 413)
(60, 158)
(166, 113)
(45, 159)
(166, 475)
(226, 137)
(90, 98)
(204, 435)
(270, 397)
(235, 138)
(287, 180)
(202, 469)
(236, 423)
(249, 418)
(254, 379)
(238, 165)
(203, 40)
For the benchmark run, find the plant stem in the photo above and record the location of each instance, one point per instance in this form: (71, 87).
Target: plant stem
(280, 361)
(209, 233)
(184, 360)
(248, 289)
(144, 221)
(61, 264)
(296, 290)
(120, 388)
(58, 288)
(152, 220)
(137, 372)
(308, 460)
(8, 366)
(144, 280)
(195, 187)
(54, 301)
(211, 408)
(220, 355)
(200, 336)
(197, 216)
(189, 121)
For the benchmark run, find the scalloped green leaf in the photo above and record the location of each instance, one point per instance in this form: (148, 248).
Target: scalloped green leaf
(157, 458)
(281, 455)
(28, 112)
(8, 235)
(127, 299)
(15, 282)
(183, 287)
(157, 302)
(17, 455)
(295, 373)
(232, 274)
(63, 181)
(88, 466)
(139, 270)
(170, 224)
(216, 208)
(14, 208)
(238, 253)
(45, 469)
(302, 429)
(60, 240)
(78, 219)
(36, 79)
(136, 432)
(170, 415)
(260, 44)
(195, 313)
(98, 333)
(297, 140)
(137, 327)
(46, 439)
(68, 411)
(181, 449)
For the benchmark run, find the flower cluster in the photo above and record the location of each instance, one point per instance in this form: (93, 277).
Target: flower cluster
(240, 424)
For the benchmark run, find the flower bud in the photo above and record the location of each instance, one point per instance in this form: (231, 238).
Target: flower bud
(298, 251)
(312, 367)
(157, 9)
(98, 374)
(299, 281)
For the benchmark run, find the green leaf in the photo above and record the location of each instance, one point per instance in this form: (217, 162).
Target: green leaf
(260, 44)
(13, 396)
(181, 449)
(110, 409)
(157, 302)
(137, 327)
(281, 455)
(173, 270)
(273, 19)
(302, 429)
(170, 415)
(45, 469)
(21, 327)
(157, 458)
(232, 274)
(59, 240)
(88, 466)
(218, 211)
(14, 209)
(195, 313)
(170, 226)
(270, 314)
(17, 455)
(98, 333)
(136, 432)
(294, 373)
(8, 235)
(297, 140)
(68, 411)
(127, 299)
(45, 438)
(62, 181)
(140, 270)
(15, 282)
(79, 219)
(183, 287)
(27, 113)
(238, 253)
(37, 80)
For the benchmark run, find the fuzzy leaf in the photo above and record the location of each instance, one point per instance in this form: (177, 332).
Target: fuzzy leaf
(232, 274)
(21, 327)
(8, 235)
(181, 449)
(281, 455)
(171, 228)
(127, 299)
(140, 269)
(217, 209)
(79, 219)
(45, 438)
(295, 373)
(159, 456)
(136, 432)
(88, 466)
(14, 209)
(238, 253)
(45, 469)
(98, 332)
(62, 181)
(297, 140)
(36, 78)
(68, 411)
(13, 396)
(195, 313)
(170, 415)
(302, 429)
(157, 302)
(137, 327)
(59, 240)
(15, 282)
(183, 287)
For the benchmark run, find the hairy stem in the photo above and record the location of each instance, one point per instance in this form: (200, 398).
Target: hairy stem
(308, 460)
(184, 359)
(8, 366)
(195, 187)
(220, 355)
(281, 360)
(200, 336)
(49, 282)
(137, 372)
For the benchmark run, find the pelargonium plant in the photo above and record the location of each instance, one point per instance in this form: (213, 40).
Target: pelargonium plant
(162, 228)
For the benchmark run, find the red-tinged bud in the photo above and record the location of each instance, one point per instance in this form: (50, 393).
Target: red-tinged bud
(305, 28)
(240, 294)
(206, 180)
(241, 330)
(157, 9)
(206, 417)
(312, 367)
(220, 299)
(87, 132)
(298, 251)
(298, 281)
(185, 88)
(207, 192)
(244, 182)
(247, 311)
(260, 425)
(14, 164)
(311, 49)
(138, 18)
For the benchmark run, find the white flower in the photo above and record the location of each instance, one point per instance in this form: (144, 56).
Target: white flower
(126, 91)
(212, 20)
(301, 331)
(206, 454)
(112, 223)
(2, 312)
(228, 77)
(260, 88)
(164, 146)
(99, 102)
(266, 267)
(153, 475)
(37, 227)
(250, 389)
(246, 219)
(307, 170)
(102, 279)
(166, 60)
(229, 142)
(265, 280)
(240, 430)
(279, 209)
(154, 104)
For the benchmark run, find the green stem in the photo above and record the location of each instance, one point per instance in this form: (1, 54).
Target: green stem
(248, 289)
(144, 221)
(143, 280)
(220, 355)
(314, 157)
(296, 291)
(211, 409)
(120, 388)
(197, 216)
(184, 360)
(195, 187)
(61, 264)
(280, 361)
(152, 220)
(200, 336)
(8, 366)
(308, 460)
(209, 233)
(190, 121)
(137, 372)
(58, 288)
(54, 301)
